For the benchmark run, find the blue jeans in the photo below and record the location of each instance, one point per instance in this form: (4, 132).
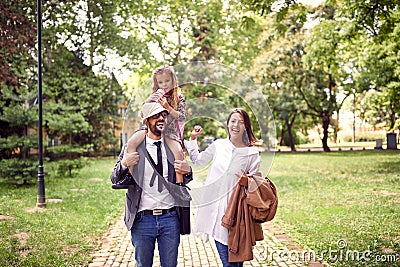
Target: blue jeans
(223, 255)
(147, 229)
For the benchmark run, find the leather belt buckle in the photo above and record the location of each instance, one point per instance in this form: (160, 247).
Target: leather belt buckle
(157, 212)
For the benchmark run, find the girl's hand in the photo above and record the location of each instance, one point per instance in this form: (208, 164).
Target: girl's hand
(156, 96)
(197, 130)
(163, 101)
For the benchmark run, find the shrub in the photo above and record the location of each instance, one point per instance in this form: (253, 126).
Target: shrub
(18, 171)
(368, 137)
(68, 159)
(70, 167)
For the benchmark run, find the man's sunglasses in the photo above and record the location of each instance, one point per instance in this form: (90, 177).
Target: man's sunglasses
(163, 113)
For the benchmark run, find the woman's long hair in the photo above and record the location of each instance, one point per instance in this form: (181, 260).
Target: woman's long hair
(173, 97)
(248, 136)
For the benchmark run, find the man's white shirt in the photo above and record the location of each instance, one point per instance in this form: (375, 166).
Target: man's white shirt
(152, 199)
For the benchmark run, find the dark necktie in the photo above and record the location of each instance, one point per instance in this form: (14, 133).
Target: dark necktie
(159, 167)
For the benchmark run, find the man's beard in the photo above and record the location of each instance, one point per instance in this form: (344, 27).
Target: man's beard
(155, 130)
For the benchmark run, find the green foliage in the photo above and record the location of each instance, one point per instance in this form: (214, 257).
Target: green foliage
(381, 79)
(184, 31)
(281, 72)
(364, 137)
(17, 146)
(67, 159)
(65, 151)
(352, 48)
(17, 171)
(367, 13)
(17, 117)
(209, 103)
(81, 109)
(286, 141)
(18, 39)
(68, 167)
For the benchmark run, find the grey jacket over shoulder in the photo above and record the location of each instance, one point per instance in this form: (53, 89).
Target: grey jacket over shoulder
(134, 192)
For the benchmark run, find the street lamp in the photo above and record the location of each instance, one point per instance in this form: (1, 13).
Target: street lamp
(41, 198)
(354, 116)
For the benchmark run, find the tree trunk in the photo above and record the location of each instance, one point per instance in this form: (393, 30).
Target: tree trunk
(336, 126)
(290, 135)
(281, 142)
(398, 137)
(325, 126)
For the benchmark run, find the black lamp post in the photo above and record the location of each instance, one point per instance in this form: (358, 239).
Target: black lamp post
(41, 197)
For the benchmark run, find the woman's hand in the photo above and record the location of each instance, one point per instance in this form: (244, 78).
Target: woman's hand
(197, 130)
(243, 178)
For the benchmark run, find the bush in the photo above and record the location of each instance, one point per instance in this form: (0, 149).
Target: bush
(286, 140)
(67, 159)
(368, 137)
(69, 167)
(18, 171)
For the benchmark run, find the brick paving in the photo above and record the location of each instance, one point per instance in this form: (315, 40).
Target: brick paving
(275, 250)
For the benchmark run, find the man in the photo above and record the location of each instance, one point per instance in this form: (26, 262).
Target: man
(150, 206)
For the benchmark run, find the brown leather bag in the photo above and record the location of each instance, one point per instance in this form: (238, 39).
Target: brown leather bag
(262, 198)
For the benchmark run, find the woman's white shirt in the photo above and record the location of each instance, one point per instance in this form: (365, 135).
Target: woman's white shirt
(227, 160)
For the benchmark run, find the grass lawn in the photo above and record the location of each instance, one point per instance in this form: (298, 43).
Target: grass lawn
(323, 198)
(64, 233)
(369, 145)
(326, 199)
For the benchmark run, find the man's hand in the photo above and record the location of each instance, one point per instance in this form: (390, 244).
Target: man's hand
(181, 166)
(130, 159)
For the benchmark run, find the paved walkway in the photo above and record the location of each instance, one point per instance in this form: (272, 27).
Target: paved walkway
(275, 250)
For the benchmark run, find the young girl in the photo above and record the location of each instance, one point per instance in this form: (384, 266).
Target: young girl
(166, 91)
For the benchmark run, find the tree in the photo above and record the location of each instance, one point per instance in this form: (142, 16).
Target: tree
(79, 37)
(19, 114)
(187, 31)
(17, 37)
(17, 101)
(327, 75)
(281, 71)
(171, 32)
(374, 16)
(83, 105)
(367, 49)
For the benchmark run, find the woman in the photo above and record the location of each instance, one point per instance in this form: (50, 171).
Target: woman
(231, 157)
